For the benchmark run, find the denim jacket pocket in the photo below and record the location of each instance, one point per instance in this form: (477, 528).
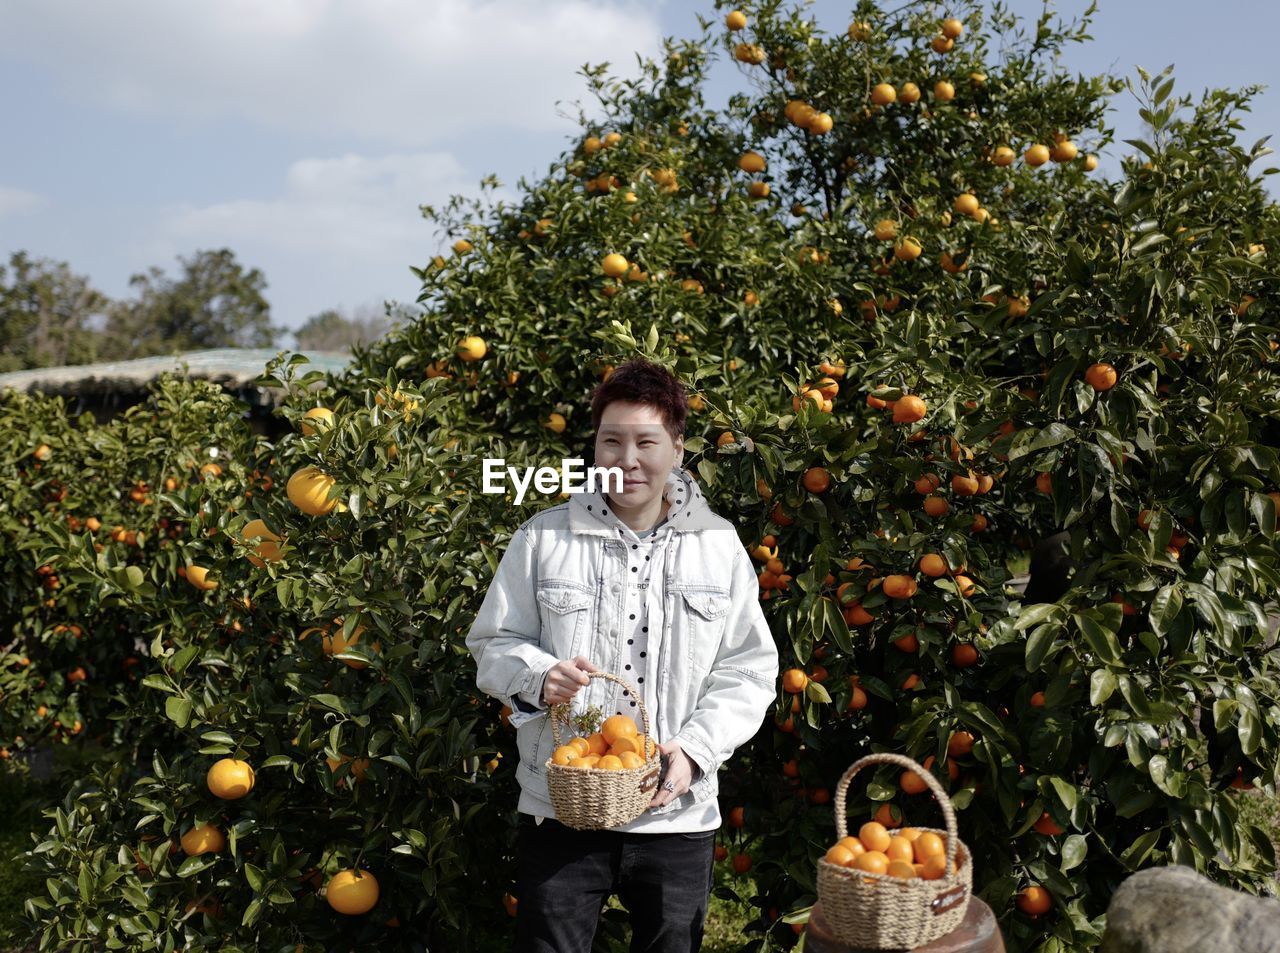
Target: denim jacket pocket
(705, 612)
(564, 607)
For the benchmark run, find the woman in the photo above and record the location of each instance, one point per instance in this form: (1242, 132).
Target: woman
(649, 584)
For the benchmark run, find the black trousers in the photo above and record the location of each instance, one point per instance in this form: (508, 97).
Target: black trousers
(566, 876)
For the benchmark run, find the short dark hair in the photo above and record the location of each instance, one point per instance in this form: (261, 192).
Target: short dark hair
(642, 381)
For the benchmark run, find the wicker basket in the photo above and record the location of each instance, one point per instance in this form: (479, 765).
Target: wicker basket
(590, 799)
(879, 912)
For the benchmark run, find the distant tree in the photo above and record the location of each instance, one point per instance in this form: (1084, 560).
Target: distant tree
(331, 330)
(215, 303)
(46, 314)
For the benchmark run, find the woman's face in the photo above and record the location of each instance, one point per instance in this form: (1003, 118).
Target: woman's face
(633, 438)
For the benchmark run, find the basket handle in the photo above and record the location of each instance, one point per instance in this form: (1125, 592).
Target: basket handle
(560, 712)
(886, 757)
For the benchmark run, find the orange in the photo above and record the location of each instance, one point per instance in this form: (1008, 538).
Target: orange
(230, 779)
(736, 20)
(741, 863)
(581, 745)
(965, 586)
(910, 93)
(889, 816)
(564, 754)
(927, 484)
(1037, 700)
(883, 94)
(1034, 900)
(352, 891)
(908, 409)
(625, 744)
(752, 163)
(854, 614)
(737, 817)
(816, 480)
(886, 230)
(928, 845)
(960, 744)
(966, 203)
(900, 849)
(902, 869)
(852, 845)
(615, 265)
(909, 834)
(936, 506)
(944, 91)
(912, 783)
(932, 564)
(872, 862)
(964, 485)
(618, 726)
(724, 438)
(596, 744)
(308, 490)
(963, 655)
(908, 643)
(1064, 151)
(1101, 376)
(202, 839)
(953, 771)
(952, 28)
(1036, 155)
(630, 759)
(1044, 482)
(840, 856)
(1047, 826)
(933, 867)
(590, 761)
(610, 763)
(874, 837)
(794, 680)
(1002, 156)
(898, 586)
(942, 44)
(858, 699)
(908, 249)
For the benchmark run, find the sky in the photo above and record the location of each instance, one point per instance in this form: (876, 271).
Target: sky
(305, 134)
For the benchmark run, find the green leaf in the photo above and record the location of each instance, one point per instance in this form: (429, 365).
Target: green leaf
(1066, 792)
(178, 710)
(1101, 641)
(255, 877)
(1164, 609)
(816, 692)
(182, 658)
(1039, 644)
(1101, 684)
(194, 865)
(1134, 855)
(1074, 849)
(1035, 614)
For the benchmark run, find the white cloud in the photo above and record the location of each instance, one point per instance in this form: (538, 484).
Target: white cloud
(404, 73)
(19, 201)
(339, 224)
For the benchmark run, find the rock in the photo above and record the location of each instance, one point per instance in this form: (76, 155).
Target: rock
(1175, 910)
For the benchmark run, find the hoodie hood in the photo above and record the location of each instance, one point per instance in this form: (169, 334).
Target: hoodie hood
(591, 513)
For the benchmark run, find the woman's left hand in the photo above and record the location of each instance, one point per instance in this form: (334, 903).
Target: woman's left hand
(679, 773)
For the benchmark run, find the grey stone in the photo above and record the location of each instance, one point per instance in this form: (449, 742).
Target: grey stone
(1175, 910)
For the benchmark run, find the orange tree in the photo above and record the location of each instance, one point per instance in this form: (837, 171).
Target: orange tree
(894, 317)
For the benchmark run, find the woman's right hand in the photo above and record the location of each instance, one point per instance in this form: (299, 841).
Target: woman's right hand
(564, 679)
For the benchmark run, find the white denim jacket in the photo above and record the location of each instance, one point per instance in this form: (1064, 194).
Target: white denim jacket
(558, 592)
